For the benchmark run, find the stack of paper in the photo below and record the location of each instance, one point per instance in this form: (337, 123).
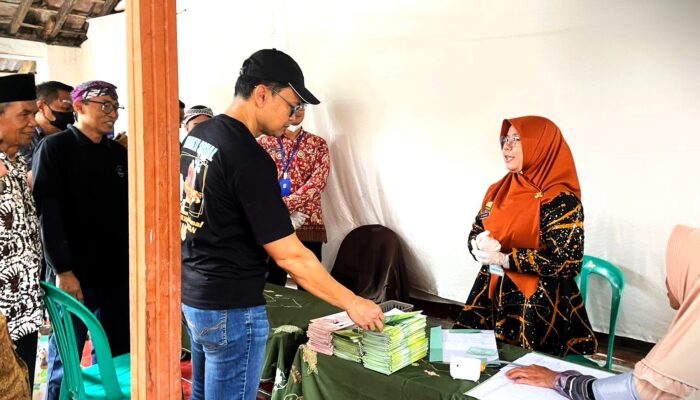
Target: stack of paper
(347, 344)
(402, 342)
(321, 329)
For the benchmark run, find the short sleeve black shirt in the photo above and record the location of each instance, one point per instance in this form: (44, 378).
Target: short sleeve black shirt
(230, 205)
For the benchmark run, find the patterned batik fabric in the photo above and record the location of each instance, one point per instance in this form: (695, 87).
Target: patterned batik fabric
(574, 385)
(14, 377)
(554, 319)
(20, 252)
(309, 173)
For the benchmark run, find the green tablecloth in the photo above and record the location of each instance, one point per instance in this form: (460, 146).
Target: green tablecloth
(318, 376)
(289, 312)
(299, 373)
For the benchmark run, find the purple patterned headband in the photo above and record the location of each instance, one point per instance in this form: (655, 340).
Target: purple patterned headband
(90, 89)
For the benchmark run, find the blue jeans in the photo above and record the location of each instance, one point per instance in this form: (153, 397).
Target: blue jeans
(228, 348)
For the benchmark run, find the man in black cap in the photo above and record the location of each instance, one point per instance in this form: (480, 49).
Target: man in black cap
(20, 246)
(81, 192)
(232, 221)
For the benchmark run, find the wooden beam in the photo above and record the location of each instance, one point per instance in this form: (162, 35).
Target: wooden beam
(43, 10)
(154, 209)
(60, 41)
(20, 14)
(30, 26)
(107, 7)
(27, 67)
(61, 17)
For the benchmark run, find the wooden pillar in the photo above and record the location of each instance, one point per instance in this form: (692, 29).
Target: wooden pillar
(153, 198)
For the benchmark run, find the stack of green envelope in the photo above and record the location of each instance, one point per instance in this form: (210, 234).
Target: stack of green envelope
(347, 344)
(402, 342)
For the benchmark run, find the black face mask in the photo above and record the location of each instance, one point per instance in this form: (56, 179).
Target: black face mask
(62, 119)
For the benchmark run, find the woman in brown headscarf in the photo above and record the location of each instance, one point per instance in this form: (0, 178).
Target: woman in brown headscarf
(529, 238)
(671, 370)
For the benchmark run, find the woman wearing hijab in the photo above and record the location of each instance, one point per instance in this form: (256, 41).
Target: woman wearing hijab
(671, 370)
(529, 238)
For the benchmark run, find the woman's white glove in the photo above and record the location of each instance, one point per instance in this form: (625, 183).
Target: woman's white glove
(485, 242)
(298, 219)
(491, 258)
(487, 250)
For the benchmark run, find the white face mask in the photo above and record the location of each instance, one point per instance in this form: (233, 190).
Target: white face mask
(294, 128)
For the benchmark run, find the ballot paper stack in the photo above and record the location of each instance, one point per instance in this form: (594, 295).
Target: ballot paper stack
(321, 329)
(402, 342)
(347, 344)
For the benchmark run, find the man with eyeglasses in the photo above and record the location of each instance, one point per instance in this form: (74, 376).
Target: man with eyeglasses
(81, 191)
(232, 217)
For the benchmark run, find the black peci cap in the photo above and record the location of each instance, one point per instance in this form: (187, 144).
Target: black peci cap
(17, 87)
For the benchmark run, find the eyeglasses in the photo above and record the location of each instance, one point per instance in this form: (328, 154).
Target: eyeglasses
(295, 108)
(106, 106)
(510, 141)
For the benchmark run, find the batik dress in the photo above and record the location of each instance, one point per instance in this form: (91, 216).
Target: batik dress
(553, 320)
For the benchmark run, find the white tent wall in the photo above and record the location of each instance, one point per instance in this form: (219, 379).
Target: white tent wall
(413, 94)
(53, 63)
(104, 58)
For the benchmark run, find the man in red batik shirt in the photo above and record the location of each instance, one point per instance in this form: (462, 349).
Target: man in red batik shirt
(303, 164)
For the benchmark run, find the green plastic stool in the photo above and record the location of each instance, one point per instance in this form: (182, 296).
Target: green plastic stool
(598, 266)
(110, 378)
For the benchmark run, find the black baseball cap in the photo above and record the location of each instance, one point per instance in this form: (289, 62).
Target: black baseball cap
(274, 65)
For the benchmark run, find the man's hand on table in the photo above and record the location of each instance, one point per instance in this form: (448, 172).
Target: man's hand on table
(366, 314)
(533, 375)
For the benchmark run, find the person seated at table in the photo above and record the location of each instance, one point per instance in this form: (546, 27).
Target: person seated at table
(528, 237)
(671, 370)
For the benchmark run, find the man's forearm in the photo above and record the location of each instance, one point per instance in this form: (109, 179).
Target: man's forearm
(308, 272)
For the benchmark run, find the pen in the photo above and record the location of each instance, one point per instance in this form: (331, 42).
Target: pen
(504, 363)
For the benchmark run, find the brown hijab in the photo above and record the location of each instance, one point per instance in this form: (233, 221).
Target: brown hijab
(513, 203)
(672, 367)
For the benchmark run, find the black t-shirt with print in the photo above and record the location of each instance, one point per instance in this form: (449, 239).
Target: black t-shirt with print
(230, 205)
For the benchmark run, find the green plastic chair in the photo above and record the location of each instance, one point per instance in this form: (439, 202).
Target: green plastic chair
(598, 266)
(110, 378)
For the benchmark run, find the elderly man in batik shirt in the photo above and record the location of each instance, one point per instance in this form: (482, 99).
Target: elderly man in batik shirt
(20, 245)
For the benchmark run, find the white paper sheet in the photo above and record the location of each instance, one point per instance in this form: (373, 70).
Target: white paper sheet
(499, 387)
(474, 344)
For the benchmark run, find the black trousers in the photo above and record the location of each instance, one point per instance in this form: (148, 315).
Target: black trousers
(26, 350)
(278, 276)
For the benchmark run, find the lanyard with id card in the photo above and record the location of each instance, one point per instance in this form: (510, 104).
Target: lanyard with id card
(285, 182)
